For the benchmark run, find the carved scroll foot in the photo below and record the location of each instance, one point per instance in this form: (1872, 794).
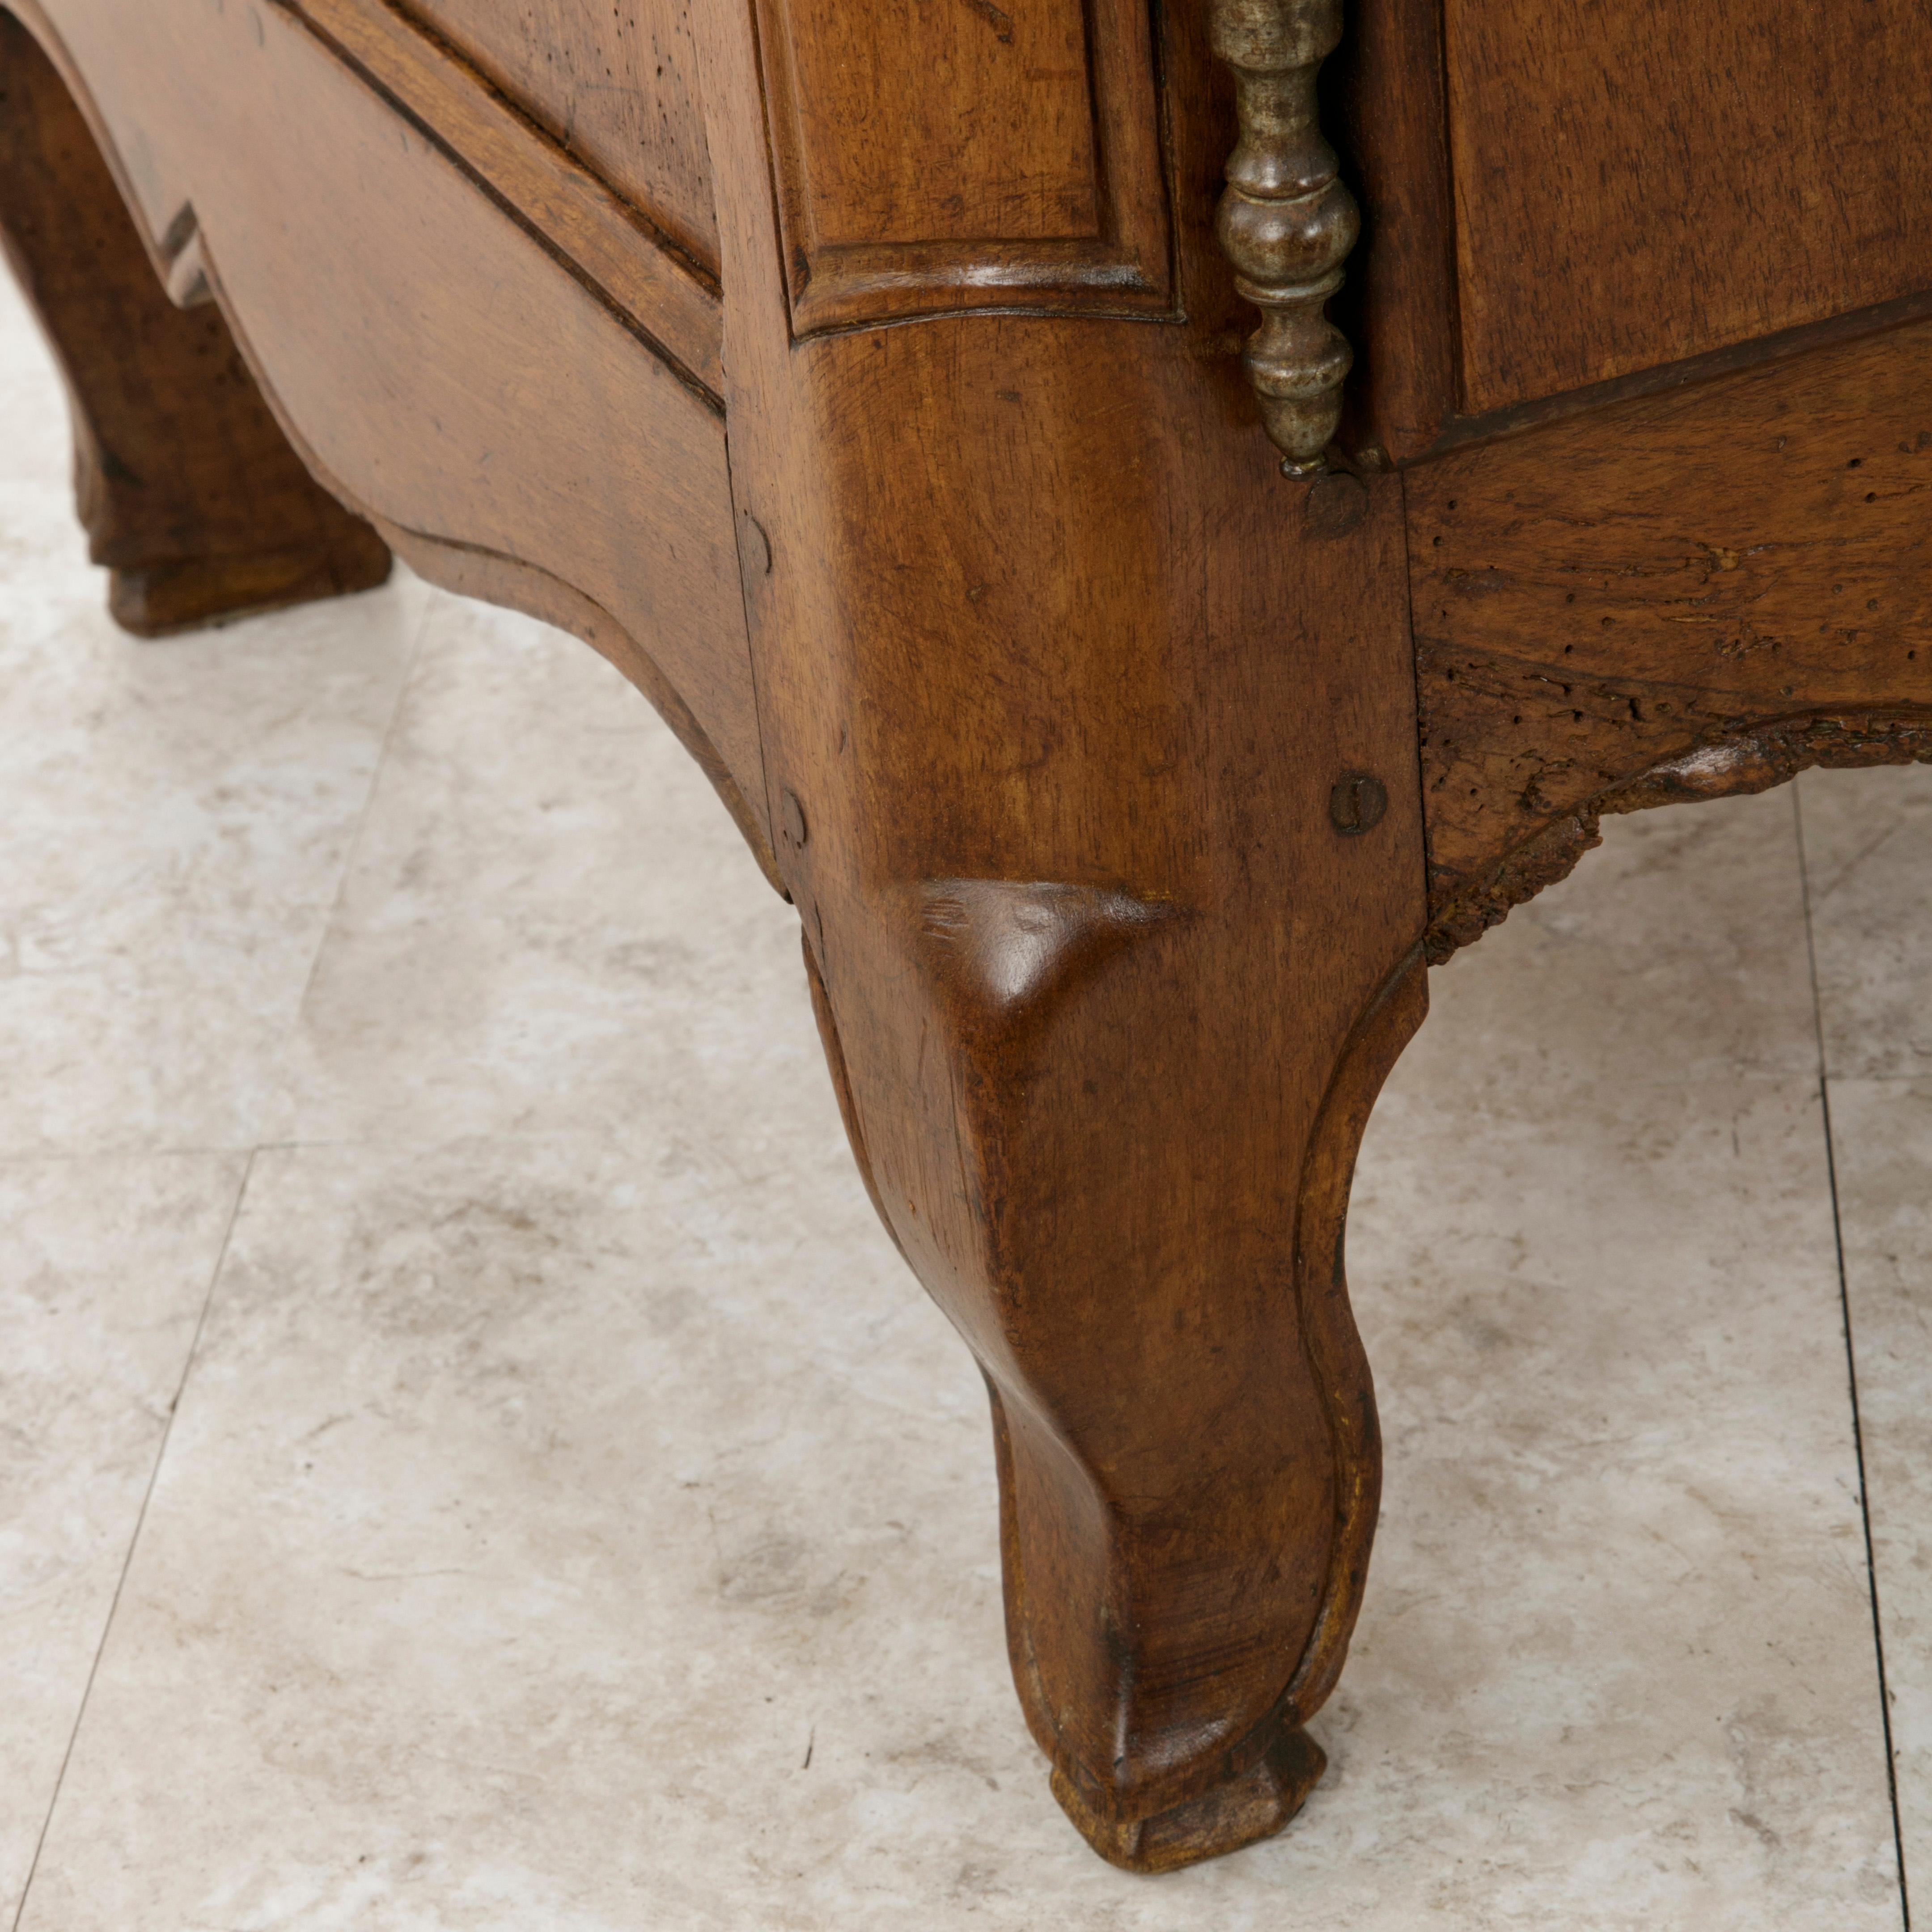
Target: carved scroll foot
(189, 493)
(156, 600)
(1250, 1808)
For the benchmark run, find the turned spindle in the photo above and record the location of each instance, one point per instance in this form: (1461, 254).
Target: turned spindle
(1286, 222)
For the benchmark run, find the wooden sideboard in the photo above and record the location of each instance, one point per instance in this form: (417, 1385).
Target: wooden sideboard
(1147, 583)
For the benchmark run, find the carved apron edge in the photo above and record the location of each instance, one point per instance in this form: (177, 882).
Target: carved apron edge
(1724, 765)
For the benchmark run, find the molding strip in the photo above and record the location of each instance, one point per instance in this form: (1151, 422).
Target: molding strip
(590, 230)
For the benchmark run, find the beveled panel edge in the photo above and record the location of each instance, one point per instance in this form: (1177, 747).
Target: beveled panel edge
(1128, 273)
(671, 304)
(855, 287)
(1461, 432)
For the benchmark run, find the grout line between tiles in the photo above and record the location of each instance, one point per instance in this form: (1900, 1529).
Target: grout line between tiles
(1851, 1365)
(133, 1541)
(369, 797)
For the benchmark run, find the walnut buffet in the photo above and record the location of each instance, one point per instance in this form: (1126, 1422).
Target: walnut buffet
(1146, 583)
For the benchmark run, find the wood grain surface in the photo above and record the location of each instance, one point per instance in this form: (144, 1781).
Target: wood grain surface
(981, 126)
(1701, 591)
(1638, 180)
(615, 85)
(1388, 117)
(599, 236)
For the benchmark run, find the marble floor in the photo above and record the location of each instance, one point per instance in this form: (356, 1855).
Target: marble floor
(469, 1459)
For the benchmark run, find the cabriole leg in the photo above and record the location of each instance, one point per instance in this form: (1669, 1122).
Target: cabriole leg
(189, 493)
(1183, 1421)
(1090, 739)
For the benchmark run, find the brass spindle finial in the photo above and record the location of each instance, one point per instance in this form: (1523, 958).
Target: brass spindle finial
(1286, 222)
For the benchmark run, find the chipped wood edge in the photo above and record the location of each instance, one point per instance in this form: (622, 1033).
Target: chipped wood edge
(1727, 767)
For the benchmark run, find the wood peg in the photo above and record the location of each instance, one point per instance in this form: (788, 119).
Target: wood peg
(1337, 502)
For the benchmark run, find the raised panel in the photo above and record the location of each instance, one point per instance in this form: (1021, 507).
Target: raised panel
(616, 84)
(1003, 97)
(1639, 181)
(962, 153)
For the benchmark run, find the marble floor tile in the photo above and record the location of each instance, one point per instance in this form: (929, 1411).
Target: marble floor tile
(1868, 851)
(555, 1534)
(1675, 953)
(105, 1266)
(599, 1532)
(38, 527)
(547, 925)
(1615, 1665)
(1601, 1677)
(177, 815)
(1882, 1133)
